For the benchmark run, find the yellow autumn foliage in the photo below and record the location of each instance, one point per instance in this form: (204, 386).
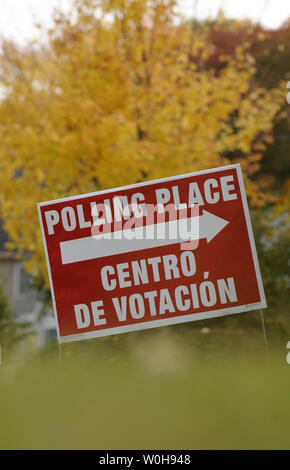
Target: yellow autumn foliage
(120, 94)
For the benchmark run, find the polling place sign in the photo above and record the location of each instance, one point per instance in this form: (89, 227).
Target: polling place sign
(151, 254)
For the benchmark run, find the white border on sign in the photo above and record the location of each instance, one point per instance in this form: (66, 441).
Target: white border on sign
(175, 319)
(163, 322)
(49, 273)
(251, 237)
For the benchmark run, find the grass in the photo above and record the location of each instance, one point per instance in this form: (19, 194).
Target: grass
(168, 388)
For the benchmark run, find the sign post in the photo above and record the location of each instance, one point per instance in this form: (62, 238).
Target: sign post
(156, 253)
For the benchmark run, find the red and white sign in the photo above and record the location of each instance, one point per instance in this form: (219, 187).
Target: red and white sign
(115, 265)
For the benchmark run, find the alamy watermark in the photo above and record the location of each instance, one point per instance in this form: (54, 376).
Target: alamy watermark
(172, 222)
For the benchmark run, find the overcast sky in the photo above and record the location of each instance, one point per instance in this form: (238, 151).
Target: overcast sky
(18, 16)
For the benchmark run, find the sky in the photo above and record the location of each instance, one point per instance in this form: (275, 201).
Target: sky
(17, 17)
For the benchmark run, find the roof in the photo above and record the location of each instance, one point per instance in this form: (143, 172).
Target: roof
(4, 253)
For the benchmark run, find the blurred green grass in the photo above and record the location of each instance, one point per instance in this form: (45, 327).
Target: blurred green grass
(158, 389)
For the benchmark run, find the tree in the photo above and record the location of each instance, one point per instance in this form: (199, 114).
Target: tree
(270, 51)
(121, 94)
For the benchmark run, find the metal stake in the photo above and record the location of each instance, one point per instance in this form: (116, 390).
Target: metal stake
(265, 335)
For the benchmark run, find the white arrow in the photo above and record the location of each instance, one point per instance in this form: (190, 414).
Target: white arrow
(142, 238)
(210, 225)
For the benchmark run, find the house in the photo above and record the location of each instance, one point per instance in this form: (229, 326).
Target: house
(31, 315)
